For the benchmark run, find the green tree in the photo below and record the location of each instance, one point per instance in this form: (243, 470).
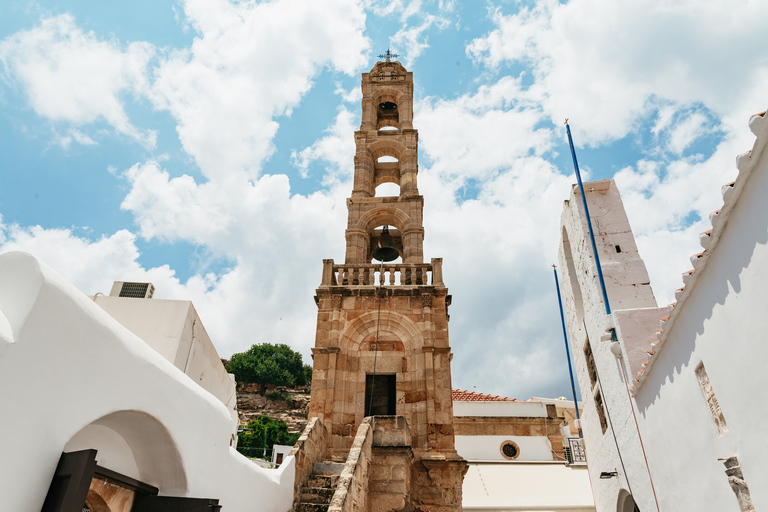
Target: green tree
(263, 432)
(266, 363)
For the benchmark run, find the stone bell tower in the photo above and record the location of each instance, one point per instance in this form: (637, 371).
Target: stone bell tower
(382, 328)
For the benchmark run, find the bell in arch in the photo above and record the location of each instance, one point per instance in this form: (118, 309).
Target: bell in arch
(385, 247)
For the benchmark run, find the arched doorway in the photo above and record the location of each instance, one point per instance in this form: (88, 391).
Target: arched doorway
(626, 503)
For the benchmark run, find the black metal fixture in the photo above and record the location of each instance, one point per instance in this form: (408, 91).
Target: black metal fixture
(608, 474)
(385, 247)
(388, 55)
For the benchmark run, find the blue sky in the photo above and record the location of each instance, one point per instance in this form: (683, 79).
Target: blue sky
(207, 146)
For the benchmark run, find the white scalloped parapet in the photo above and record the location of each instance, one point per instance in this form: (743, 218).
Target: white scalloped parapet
(745, 163)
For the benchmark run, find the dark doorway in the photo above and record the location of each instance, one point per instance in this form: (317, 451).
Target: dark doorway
(380, 395)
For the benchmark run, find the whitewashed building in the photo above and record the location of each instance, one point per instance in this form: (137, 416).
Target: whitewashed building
(670, 420)
(144, 428)
(519, 454)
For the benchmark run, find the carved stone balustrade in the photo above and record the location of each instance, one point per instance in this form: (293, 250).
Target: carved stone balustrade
(375, 274)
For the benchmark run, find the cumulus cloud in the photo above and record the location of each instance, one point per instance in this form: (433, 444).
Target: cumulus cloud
(413, 39)
(337, 148)
(472, 137)
(604, 64)
(72, 76)
(251, 64)
(404, 8)
(89, 265)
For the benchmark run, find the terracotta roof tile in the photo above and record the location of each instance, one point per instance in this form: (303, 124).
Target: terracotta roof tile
(460, 395)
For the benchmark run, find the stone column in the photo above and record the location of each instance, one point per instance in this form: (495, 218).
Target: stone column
(413, 245)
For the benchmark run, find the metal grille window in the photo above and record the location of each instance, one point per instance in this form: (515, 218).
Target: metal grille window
(510, 450)
(574, 450)
(137, 290)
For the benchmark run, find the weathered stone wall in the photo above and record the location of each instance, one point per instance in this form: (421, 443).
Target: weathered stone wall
(389, 481)
(352, 491)
(311, 447)
(413, 330)
(516, 426)
(253, 402)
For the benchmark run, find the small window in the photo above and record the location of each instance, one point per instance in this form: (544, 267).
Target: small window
(380, 395)
(510, 450)
(590, 360)
(618, 248)
(601, 411)
(709, 396)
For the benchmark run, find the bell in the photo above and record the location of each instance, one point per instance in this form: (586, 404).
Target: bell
(385, 247)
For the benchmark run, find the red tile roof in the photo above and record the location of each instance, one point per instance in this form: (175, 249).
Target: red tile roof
(459, 395)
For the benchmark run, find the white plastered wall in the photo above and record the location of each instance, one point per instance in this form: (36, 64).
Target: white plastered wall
(722, 323)
(174, 329)
(71, 377)
(628, 286)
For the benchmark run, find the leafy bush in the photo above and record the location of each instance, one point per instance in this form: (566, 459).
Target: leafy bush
(275, 396)
(263, 432)
(270, 364)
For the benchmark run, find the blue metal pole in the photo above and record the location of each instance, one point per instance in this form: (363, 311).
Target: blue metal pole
(589, 221)
(567, 350)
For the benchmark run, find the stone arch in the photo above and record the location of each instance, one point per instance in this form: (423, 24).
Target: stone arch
(384, 96)
(381, 148)
(393, 322)
(137, 445)
(387, 94)
(384, 215)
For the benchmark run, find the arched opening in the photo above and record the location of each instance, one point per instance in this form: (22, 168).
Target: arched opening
(387, 113)
(626, 503)
(388, 189)
(385, 236)
(388, 129)
(137, 445)
(386, 159)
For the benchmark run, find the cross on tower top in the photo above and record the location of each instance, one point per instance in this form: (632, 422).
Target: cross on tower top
(388, 55)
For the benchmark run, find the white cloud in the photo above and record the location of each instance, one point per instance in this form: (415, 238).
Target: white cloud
(91, 266)
(413, 40)
(353, 95)
(336, 148)
(474, 136)
(605, 64)
(72, 76)
(685, 132)
(383, 8)
(75, 135)
(250, 64)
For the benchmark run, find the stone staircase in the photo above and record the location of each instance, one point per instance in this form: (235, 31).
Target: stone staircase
(317, 493)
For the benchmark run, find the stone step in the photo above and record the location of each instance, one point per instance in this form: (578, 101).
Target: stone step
(323, 481)
(317, 495)
(312, 507)
(327, 468)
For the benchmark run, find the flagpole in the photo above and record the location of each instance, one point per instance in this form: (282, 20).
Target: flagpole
(567, 351)
(589, 221)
